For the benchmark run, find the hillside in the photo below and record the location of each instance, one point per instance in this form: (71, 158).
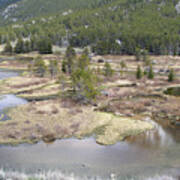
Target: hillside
(5, 3)
(109, 26)
(15, 10)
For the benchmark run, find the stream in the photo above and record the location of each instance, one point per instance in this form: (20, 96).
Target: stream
(154, 155)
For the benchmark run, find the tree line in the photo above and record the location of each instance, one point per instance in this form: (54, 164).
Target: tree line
(43, 46)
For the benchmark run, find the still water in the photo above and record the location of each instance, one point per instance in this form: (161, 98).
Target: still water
(154, 155)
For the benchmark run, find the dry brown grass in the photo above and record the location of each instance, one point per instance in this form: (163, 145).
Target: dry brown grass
(49, 120)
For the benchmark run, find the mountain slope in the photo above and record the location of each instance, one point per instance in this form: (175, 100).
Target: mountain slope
(5, 3)
(25, 9)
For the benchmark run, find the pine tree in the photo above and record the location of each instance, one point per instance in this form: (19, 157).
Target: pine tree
(123, 66)
(138, 54)
(86, 51)
(39, 67)
(83, 81)
(19, 48)
(45, 46)
(171, 75)
(8, 48)
(70, 57)
(27, 47)
(145, 56)
(108, 71)
(139, 72)
(33, 44)
(151, 73)
(63, 66)
(53, 68)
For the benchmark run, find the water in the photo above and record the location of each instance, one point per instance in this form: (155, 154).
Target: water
(10, 100)
(153, 155)
(6, 74)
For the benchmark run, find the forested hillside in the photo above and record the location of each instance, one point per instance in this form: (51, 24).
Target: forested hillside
(15, 10)
(5, 3)
(111, 26)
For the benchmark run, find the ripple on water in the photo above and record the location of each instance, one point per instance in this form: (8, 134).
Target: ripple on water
(58, 175)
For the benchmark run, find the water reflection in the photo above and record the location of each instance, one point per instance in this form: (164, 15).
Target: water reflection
(85, 157)
(159, 137)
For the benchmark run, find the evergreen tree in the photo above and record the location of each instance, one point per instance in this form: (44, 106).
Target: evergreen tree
(84, 81)
(145, 55)
(151, 73)
(33, 44)
(19, 48)
(171, 75)
(139, 72)
(27, 47)
(63, 66)
(138, 54)
(8, 48)
(86, 51)
(83, 61)
(63, 83)
(53, 68)
(45, 46)
(39, 67)
(123, 66)
(70, 57)
(108, 71)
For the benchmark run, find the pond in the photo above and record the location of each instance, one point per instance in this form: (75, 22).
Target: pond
(154, 155)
